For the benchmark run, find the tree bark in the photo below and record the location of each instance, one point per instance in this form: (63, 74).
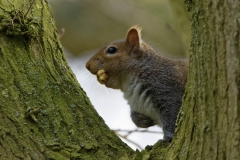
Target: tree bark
(208, 124)
(44, 113)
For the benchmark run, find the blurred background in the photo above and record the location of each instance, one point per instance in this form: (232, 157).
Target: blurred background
(84, 26)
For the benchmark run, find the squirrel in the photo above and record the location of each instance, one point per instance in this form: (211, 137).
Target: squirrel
(152, 84)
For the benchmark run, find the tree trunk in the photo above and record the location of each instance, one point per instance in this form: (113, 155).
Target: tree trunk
(208, 125)
(44, 113)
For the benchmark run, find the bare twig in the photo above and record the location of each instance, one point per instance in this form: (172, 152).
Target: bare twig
(125, 137)
(11, 4)
(31, 4)
(136, 130)
(128, 132)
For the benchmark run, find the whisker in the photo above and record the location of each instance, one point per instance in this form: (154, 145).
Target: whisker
(104, 91)
(109, 91)
(93, 82)
(86, 73)
(86, 79)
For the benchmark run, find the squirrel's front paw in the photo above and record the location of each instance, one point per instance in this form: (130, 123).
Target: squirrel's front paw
(102, 76)
(141, 120)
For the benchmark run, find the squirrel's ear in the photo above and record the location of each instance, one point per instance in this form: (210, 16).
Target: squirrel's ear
(134, 37)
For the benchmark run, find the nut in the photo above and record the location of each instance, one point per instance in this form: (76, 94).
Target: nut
(102, 76)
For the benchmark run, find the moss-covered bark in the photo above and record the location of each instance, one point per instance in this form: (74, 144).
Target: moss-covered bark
(209, 123)
(44, 113)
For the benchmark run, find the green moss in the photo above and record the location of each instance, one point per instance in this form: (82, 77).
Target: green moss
(15, 22)
(49, 114)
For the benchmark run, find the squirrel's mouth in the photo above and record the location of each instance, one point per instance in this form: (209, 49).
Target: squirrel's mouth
(102, 76)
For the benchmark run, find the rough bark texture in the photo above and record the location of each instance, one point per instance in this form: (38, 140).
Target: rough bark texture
(209, 122)
(44, 113)
(208, 125)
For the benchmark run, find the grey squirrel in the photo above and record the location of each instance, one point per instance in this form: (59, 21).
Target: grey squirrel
(152, 84)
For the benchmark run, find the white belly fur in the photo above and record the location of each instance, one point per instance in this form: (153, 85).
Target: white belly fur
(139, 102)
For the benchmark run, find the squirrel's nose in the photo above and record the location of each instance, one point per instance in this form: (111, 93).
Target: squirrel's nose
(88, 66)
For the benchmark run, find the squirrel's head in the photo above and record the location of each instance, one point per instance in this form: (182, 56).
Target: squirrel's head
(118, 58)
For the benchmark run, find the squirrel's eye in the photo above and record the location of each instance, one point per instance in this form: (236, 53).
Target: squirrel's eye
(112, 50)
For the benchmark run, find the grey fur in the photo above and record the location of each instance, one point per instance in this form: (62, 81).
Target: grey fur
(160, 81)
